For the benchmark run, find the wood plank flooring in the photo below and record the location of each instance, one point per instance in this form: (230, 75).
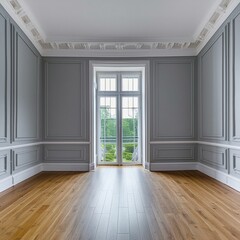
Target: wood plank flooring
(120, 203)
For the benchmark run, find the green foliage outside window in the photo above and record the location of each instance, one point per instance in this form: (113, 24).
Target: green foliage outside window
(108, 136)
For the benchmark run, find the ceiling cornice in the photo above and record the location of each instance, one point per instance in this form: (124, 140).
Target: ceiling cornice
(47, 48)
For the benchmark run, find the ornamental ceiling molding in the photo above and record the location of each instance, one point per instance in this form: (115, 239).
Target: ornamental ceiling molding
(23, 16)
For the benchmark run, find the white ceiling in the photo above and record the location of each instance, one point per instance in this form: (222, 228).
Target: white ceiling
(123, 28)
(122, 20)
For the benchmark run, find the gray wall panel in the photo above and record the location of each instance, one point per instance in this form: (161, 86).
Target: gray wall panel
(3, 79)
(215, 157)
(26, 94)
(5, 168)
(66, 153)
(66, 101)
(235, 163)
(236, 80)
(26, 157)
(212, 91)
(172, 99)
(173, 153)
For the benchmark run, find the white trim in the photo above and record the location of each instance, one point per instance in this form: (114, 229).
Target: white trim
(147, 166)
(182, 166)
(23, 175)
(49, 143)
(220, 176)
(151, 142)
(20, 146)
(82, 167)
(219, 145)
(141, 65)
(197, 142)
(6, 183)
(232, 5)
(92, 166)
(21, 24)
(173, 142)
(41, 143)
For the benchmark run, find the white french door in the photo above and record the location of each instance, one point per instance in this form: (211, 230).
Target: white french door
(119, 100)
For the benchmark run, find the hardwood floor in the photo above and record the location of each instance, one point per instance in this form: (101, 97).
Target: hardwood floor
(116, 203)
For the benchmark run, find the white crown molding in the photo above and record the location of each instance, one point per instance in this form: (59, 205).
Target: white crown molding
(26, 21)
(16, 16)
(218, 17)
(119, 53)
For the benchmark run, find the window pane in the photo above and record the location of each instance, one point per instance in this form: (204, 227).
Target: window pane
(130, 131)
(107, 84)
(108, 130)
(130, 84)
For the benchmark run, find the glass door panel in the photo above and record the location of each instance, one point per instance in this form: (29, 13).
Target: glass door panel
(118, 117)
(130, 129)
(107, 150)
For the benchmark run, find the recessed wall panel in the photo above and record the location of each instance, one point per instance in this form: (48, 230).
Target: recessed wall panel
(212, 92)
(26, 92)
(165, 153)
(26, 157)
(235, 163)
(66, 101)
(172, 100)
(5, 170)
(3, 80)
(215, 157)
(236, 79)
(66, 153)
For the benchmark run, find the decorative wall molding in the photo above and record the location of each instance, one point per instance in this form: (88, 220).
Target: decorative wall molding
(234, 84)
(173, 166)
(82, 167)
(5, 168)
(168, 153)
(158, 126)
(234, 163)
(66, 153)
(76, 67)
(215, 157)
(16, 69)
(212, 57)
(3, 82)
(218, 16)
(25, 157)
(151, 142)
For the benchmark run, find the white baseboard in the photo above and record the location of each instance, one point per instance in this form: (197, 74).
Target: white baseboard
(225, 178)
(21, 176)
(173, 166)
(92, 166)
(147, 165)
(82, 167)
(6, 183)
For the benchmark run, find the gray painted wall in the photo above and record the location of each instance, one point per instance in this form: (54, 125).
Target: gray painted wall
(172, 99)
(4, 103)
(66, 100)
(20, 101)
(26, 84)
(5, 168)
(219, 97)
(235, 84)
(77, 153)
(173, 153)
